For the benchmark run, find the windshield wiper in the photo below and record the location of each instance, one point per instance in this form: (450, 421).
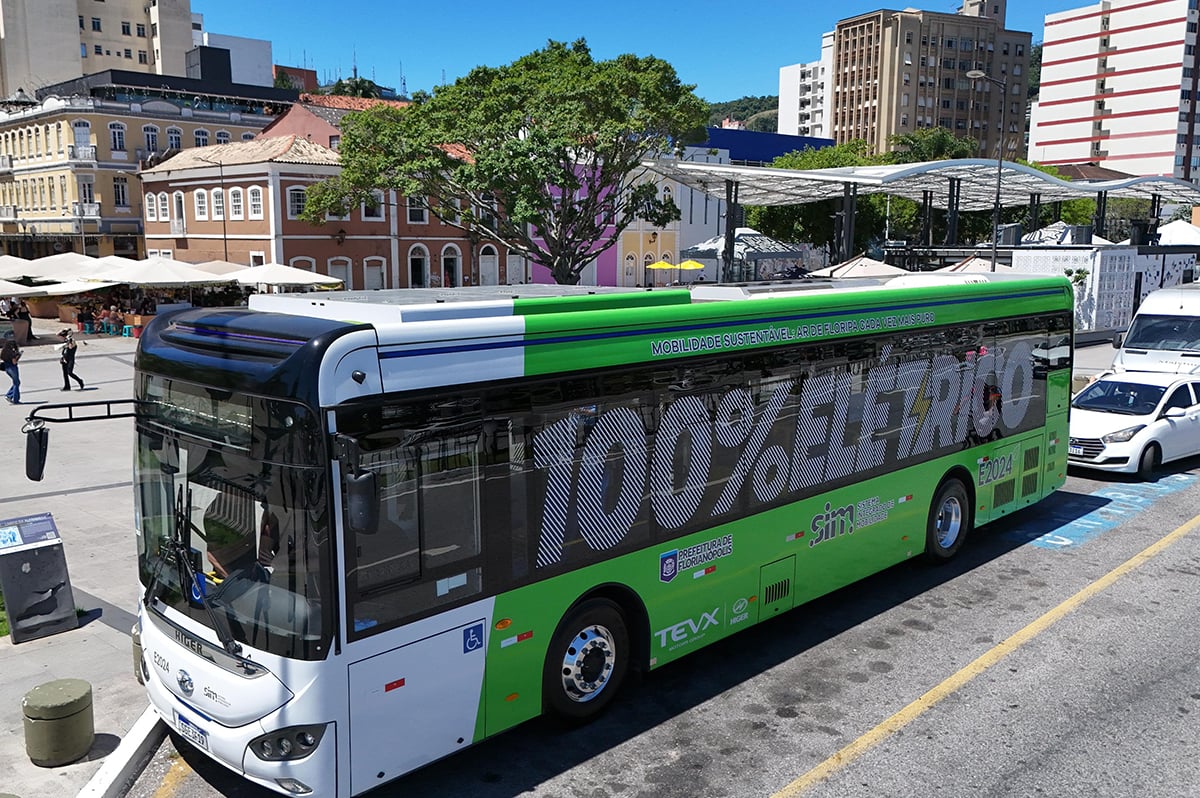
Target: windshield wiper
(183, 520)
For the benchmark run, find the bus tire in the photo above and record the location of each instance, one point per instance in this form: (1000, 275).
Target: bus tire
(587, 661)
(1149, 462)
(949, 521)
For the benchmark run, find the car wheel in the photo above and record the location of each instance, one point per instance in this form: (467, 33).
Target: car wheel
(949, 521)
(1149, 462)
(586, 662)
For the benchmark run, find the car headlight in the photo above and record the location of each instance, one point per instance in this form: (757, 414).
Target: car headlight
(1123, 436)
(295, 742)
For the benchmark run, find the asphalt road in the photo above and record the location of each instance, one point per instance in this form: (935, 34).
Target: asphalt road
(1056, 656)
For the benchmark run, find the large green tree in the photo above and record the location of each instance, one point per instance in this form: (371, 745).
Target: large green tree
(553, 141)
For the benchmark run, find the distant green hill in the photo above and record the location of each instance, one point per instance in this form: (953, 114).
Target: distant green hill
(742, 109)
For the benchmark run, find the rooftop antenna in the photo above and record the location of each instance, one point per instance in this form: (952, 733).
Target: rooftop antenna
(354, 63)
(403, 83)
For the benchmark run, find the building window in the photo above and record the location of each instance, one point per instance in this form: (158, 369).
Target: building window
(120, 192)
(83, 50)
(142, 57)
(222, 136)
(335, 142)
(126, 29)
(201, 138)
(256, 203)
(200, 201)
(81, 25)
(295, 203)
(151, 209)
(99, 49)
(418, 265)
(372, 209)
(164, 207)
(218, 204)
(116, 133)
(141, 30)
(418, 212)
(247, 136)
(150, 133)
(235, 203)
(128, 53)
(174, 138)
(96, 24)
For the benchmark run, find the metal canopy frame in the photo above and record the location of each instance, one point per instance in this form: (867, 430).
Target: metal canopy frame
(975, 186)
(964, 184)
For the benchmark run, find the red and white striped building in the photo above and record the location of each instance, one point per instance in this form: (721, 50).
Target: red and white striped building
(1119, 88)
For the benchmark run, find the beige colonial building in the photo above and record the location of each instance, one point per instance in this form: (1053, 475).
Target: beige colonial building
(68, 164)
(896, 72)
(242, 202)
(44, 42)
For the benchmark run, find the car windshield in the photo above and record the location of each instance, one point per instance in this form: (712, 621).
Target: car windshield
(1126, 398)
(1174, 333)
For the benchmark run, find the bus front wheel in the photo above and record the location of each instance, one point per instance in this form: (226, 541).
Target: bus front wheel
(587, 661)
(949, 521)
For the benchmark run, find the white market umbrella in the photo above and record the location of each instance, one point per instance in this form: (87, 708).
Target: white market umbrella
(159, 272)
(862, 266)
(975, 265)
(277, 274)
(8, 289)
(71, 287)
(11, 267)
(64, 266)
(221, 267)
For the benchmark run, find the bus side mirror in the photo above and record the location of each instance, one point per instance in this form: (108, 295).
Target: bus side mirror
(1117, 340)
(36, 444)
(362, 503)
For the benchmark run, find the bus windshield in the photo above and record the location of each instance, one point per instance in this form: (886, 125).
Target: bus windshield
(255, 532)
(1172, 333)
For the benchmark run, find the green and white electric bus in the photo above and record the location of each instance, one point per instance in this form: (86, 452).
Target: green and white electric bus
(375, 528)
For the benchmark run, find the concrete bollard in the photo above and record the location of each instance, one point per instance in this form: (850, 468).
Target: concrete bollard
(59, 727)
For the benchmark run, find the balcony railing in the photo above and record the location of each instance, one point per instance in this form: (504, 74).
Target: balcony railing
(81, 152)
(85, 210)
(5, 164)
(178, 227)
(8, 213)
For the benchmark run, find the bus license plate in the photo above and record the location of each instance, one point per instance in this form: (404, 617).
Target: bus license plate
(191, 732)
(1075, 450)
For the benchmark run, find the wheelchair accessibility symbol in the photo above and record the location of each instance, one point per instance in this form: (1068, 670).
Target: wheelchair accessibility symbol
(472, 638)
(199, 588)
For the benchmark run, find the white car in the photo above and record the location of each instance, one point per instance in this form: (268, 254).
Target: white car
(1133, 421)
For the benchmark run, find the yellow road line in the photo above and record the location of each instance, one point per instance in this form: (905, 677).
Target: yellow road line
(989, 658)
(173, 779)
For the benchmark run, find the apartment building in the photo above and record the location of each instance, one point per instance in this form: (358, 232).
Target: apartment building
(804, 96)
(69, 162)
(1119, 88)
(896, 72)
(45, 42)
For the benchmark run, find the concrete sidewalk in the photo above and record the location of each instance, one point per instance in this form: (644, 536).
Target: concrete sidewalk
(87, 489)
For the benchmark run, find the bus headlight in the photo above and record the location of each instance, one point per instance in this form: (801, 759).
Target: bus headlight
(294, 742)
(1123, 436)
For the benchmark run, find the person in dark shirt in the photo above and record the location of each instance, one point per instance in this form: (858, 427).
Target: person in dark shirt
(10, 353)
(67, 359)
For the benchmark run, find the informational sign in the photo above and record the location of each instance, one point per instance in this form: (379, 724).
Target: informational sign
(33, 578)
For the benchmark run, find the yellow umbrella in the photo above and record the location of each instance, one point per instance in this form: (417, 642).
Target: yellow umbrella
(660, 265)
(689, 265)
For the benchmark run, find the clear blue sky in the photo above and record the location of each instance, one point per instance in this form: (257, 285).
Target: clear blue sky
(727, 49)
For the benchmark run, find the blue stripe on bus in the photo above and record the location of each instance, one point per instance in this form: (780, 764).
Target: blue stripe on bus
(566, 339)
(1072, 520)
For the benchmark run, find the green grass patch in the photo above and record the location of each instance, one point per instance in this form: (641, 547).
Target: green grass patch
(3, 618)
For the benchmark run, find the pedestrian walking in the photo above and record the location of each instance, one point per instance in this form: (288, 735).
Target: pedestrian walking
(67, 359)
(10, 353)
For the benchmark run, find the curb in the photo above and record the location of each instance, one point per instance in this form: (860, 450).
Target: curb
(123, 765)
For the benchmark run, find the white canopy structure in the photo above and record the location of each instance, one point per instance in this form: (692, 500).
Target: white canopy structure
(11, 267)
(748, 244)
(221, 267)
(276, 274)
(63, 266)
(862, 266)
(1177, 232)
(159, 272)
(975, 265)
(8, 289)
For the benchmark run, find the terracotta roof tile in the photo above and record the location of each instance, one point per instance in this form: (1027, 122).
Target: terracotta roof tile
(348, 103)
(281, 149)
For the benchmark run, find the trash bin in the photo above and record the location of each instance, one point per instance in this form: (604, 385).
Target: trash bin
(59, 727)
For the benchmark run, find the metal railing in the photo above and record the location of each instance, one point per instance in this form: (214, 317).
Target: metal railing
(6, 163)
(178, 227)
(85, 210)
(81, 152)
(8, 212)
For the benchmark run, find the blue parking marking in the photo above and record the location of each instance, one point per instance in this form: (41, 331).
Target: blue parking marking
(1064, 521)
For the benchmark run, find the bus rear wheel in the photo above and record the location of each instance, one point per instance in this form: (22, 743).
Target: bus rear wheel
(587, 661)
(949, 521)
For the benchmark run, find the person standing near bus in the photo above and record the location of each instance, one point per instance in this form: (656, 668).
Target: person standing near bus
(9, 355)
(67, 359)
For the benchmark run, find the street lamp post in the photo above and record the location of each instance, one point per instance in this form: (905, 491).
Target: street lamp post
(224, 201)
(979, 74)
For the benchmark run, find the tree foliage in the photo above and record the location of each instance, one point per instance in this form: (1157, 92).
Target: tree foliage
(554, 141)
(742, 108)
(930, 144)
(356, 87)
